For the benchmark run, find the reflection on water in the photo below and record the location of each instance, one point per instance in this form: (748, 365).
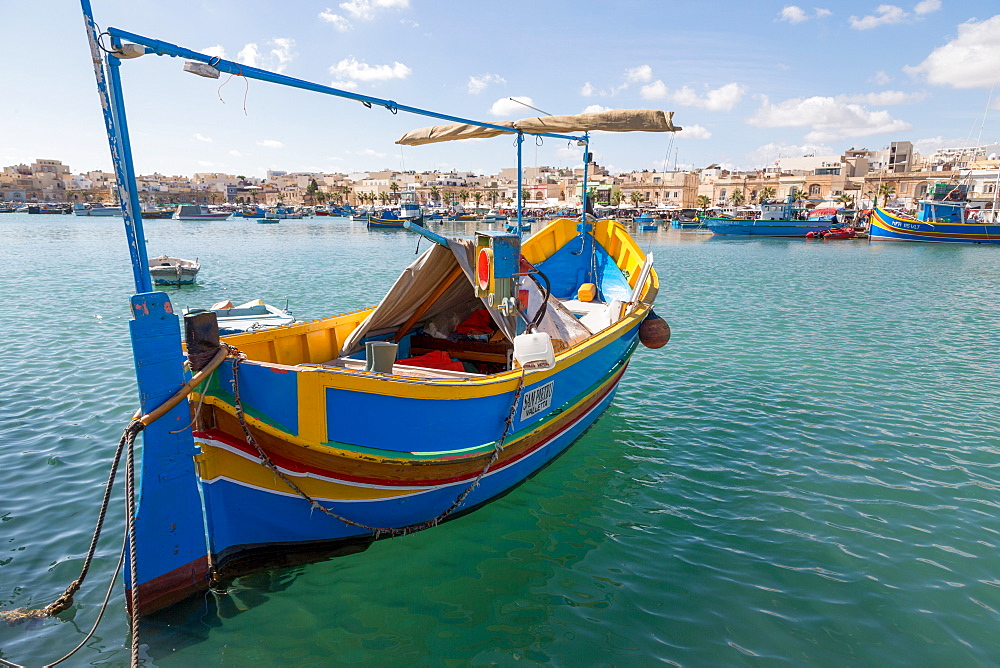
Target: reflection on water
(806, 473)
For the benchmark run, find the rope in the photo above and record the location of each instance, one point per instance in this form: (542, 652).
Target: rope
(239, 356)
(66, 600)
(63, 603)
(133, 570)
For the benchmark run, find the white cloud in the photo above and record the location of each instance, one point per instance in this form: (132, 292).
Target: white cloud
(248, 55)
(694, 132)
(768, 153)
(367, 9)
(206, 163)
(282, 53)
(884, 98)
(639, 74)
(928, 145)
(654, 91)
(215, 51)
(792, 14)
(360, 10)
(927, 6)
(270, 143)
(507, 107)
(587, 90)
(275, 59)
(884, 15)
(368, 152)
(201, 137)
(338, 21)
(880, 78)
(345, 85)
(830, 118)
(723, 98)
(235, 154)
(350, 68)
(795, 14)
(968, 61)
(594, 108)
(479, 84)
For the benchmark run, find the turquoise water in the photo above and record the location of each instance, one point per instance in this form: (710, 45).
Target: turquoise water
(806, 475)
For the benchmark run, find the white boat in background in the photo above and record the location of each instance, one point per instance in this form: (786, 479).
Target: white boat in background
(199, 212)
(167, 270)
(249, 317)
(81, 209)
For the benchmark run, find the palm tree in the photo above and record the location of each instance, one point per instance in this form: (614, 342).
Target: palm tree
(525, 195)
(435, 194)
(703, 201)
(311, 190)
(617, 196)
(394, 187)
(845, 199)
(463, 196)
(800, 197)
(766, 194)
(886, 190)
(635, 197)
(383, 197)
(478, 197)
(494, 196)
(737, 197)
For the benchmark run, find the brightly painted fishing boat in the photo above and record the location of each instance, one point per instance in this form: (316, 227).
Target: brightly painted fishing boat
(486, 360)
(386, 219)
(945, 219)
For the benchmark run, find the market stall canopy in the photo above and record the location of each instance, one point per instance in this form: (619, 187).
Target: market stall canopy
(615, 120)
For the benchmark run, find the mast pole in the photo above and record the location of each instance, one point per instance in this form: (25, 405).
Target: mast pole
(520, 203)
(171, 552)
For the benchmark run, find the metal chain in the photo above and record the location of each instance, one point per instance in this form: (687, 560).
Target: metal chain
(239, 356)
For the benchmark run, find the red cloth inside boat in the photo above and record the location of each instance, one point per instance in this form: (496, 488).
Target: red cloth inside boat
(479, 322)
(435, 359)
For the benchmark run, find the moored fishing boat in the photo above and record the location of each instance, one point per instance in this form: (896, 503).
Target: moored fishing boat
(777, 219)
(199, 212)
(251, 316)
(385, 219)
(947, 218)
(646, 223)
(484, 361)
(81, 209)
(167, 270)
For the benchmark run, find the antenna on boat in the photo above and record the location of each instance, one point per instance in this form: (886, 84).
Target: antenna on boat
(524, 104)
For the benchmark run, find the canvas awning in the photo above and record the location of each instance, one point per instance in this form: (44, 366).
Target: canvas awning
(419, 282)
(615, 120)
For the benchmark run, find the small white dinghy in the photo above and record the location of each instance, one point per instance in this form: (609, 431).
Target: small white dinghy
(249, 317)
(167, 270)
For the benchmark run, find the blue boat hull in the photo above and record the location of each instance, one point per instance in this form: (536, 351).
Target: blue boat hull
(764, 228)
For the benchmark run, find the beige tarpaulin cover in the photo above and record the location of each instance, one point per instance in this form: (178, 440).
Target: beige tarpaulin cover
(615, 120)
(406, 295)
(452, 132)
(419, 280)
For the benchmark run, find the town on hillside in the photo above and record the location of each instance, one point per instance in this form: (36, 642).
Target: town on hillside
(896, 175)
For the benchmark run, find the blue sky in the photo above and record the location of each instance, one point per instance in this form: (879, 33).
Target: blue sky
(749, 81)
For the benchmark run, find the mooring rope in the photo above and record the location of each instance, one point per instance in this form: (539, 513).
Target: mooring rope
(20, 615)
(239, 357)
(132, 430)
